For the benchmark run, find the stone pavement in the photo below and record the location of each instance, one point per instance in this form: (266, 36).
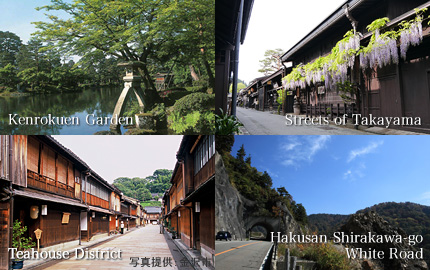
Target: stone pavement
(265, 123)
(143, 245)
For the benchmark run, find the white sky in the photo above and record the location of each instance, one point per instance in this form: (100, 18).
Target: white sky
(279, 24)
(124, 156)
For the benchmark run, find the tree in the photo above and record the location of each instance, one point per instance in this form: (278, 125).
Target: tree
(8, 77)
(9, 47)
(300, 214)
(147, 31)
(248, 160)
(272, 61)
(240, 86)
(241, 154)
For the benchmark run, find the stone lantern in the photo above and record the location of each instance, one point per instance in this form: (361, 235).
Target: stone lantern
(132, 82)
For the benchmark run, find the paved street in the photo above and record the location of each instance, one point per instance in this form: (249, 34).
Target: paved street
(233, 255)
(143, 242)
(264, 123)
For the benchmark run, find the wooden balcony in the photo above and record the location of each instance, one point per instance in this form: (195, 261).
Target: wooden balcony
(45, 183)
(205, 173)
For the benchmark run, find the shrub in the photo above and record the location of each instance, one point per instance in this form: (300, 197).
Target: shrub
(193, 114)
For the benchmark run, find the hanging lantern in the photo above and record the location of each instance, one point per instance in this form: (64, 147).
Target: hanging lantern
(34, 211)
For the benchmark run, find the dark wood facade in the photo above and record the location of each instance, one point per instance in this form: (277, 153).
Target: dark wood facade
(226, 27)
(401, 90)
(191, 199)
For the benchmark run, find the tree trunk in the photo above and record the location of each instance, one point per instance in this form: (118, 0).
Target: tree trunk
(210, 74)
(194, 74)
(151, 97)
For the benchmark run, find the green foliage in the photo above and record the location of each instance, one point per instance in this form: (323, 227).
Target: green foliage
(377, 24)
(18, 240)
(193, 114)
(330, 65)
(151, 203)
(156, 33)
(271, 62)
(226, 124)
(224, 143)
(9, 47)
(240, 86)
(347, 91)
(8, 78)
(326, 256)
(413, 218)
(175, 95)
(141, 188)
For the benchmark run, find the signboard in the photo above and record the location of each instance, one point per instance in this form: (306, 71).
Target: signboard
(65, 219)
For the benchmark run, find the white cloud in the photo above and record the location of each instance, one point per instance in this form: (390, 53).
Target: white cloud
(364, 151)
(302, 149)
(355, 173)
(425, 196)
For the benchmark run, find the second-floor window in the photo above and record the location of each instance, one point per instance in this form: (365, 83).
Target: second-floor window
(205, 151)
(95, 189)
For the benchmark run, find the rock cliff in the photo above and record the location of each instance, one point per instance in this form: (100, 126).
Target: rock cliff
(229, 204)
(363, 223)
(234, 212)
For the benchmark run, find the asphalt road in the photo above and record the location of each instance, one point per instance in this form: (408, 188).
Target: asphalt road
(236, 255)
(265, 123)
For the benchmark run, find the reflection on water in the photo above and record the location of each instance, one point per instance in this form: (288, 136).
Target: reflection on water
(100, 102)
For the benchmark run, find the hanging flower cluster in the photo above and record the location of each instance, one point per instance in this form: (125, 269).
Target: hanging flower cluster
(329, 69)
(382, 50)
(411, 33)
(412, 36)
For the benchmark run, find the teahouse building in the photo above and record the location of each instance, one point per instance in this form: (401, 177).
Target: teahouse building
(190, 202)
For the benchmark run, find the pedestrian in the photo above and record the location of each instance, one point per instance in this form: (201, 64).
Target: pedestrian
(122, 227)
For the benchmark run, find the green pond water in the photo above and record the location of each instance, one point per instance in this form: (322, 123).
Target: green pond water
(98, 102)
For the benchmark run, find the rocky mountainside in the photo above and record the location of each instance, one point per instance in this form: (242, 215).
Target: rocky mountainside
(233, 210)
(371, 222)
(229, 205)
(412, 218)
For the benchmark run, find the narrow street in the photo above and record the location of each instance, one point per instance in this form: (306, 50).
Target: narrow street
(265, 123)
(233, 255)
(144, 242)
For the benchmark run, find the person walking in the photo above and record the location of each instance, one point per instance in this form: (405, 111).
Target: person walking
(122, 227)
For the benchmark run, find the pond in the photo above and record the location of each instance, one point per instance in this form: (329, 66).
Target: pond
(78, 105)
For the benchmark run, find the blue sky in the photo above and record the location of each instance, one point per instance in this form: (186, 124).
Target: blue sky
(17, 15)
(343, 174)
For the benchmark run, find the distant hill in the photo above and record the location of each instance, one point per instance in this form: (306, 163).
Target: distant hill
(141, 188)
(413, 218)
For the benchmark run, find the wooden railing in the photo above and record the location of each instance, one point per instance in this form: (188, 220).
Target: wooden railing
(329, 110)
(45, 183)
(95, 201)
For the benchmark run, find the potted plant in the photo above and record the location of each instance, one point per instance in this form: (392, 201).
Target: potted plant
(20, 242)
(174, 234)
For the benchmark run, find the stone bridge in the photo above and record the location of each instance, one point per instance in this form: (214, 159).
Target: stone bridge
(271, 224)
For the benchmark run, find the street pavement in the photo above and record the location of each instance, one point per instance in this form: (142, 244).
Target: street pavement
(144, 242)
(234, 255)
(265, 123)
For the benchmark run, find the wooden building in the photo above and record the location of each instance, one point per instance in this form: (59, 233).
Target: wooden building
(115, 207)
(152, 214)
(226, 27)
(12, 174)
(190, 201)
(96, 194)
(396, 90)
